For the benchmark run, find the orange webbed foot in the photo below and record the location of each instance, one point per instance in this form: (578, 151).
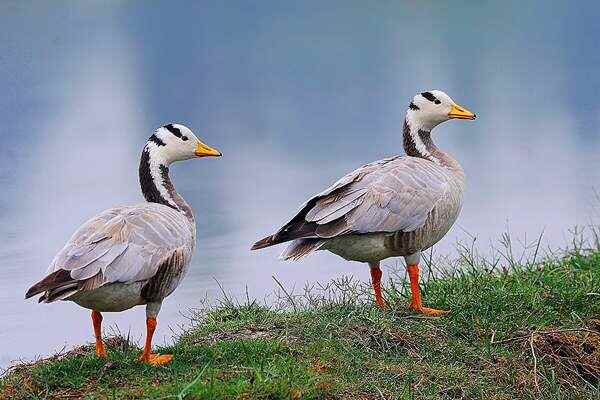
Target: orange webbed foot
(430, 312)
(97, 322)
(416, 305)
(100, 352)
(156, 359)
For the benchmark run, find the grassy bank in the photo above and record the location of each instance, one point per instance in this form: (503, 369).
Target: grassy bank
(528, 333)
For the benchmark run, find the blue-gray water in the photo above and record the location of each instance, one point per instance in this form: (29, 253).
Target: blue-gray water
(294, 94)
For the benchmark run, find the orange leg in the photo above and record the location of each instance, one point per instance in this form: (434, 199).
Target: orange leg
(376, 281)
(97, 321)
(147, 356)
(415, 304)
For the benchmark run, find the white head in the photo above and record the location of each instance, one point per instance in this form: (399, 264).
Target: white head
(176, 142)
(429, 109)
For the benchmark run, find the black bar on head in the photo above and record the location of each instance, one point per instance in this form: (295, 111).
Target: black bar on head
(174, 130)
(429, 96)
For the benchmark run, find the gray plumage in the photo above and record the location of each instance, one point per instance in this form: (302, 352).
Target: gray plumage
(412, 201)
(124, 245)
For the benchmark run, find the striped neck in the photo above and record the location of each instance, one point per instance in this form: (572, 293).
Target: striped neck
(418, 143)
(156, 183)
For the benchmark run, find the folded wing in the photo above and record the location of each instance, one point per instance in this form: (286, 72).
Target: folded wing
(123, 244)
(390, 195)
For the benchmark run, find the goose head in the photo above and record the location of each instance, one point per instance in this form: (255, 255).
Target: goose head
(431, 108)
(177, 142)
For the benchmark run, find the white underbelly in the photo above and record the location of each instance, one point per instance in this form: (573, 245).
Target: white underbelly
(362, 248)
(113, 297)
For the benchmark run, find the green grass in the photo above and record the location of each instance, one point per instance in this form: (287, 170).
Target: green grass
(529, 333)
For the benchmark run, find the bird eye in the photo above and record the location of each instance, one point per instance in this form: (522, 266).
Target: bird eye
(436, 101)
(184, 138)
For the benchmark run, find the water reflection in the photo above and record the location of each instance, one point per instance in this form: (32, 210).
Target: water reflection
(294, 96)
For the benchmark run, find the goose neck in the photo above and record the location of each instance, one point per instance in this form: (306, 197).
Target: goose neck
(156, 183)
(418, 143)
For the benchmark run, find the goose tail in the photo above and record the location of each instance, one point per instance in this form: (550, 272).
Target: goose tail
(265, 242)
(301, 248)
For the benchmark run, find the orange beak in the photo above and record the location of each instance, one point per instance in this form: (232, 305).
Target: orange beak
(203, 150)
(460, 112)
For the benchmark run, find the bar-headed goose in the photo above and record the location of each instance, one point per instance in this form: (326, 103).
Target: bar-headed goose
(398, 206)
(132, 255)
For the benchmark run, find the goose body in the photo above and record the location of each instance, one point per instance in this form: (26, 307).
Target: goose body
(125, 256)
(394, 207)
(132, 255)
(398, 206)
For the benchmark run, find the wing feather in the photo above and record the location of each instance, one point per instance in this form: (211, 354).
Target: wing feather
(330, 209)
(100, 263)
(393, 194)
(123, 244)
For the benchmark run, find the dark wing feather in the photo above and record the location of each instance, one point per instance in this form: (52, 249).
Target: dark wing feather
(54, 280)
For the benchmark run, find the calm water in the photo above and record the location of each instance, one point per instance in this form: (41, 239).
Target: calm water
(294, 95)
